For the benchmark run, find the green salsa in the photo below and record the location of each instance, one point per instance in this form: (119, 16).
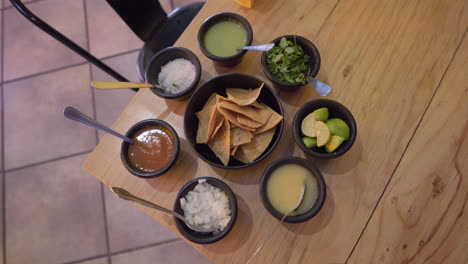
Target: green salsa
(224, 37)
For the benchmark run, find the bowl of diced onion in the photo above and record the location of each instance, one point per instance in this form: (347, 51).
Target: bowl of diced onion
(206, 201)
(175, 70)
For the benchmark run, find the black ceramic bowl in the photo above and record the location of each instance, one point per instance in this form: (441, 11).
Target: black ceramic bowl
(322, 189)
(162, 58)
(335, 109)
(205, 238)
(231, 60)
(309, 49)
(219, 85)
(131, 132)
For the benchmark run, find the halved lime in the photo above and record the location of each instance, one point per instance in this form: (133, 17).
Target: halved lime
(309, 142)
(308, 126)
(323, 133)
(321, 114)
(338, 127)
(334, 143)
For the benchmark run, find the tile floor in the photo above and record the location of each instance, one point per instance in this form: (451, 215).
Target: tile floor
(53, 211)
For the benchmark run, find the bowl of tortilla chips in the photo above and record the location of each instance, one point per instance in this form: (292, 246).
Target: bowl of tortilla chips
(233, 121)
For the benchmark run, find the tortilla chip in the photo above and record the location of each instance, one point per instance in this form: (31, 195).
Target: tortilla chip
(232, 118)
(254, 104)
(211, 100)
(258, 145)
(233, 150)
(206, 120)
(264, 113)
(230, 126)
(248, 122)
(240, 156)
(220, 143)
(215, 119)
(259, 115)
(257, 105)
(274, 120)
(204, 117)
(242, 96)
(240, 136)
(218, 125)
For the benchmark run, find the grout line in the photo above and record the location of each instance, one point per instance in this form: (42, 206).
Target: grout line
(120, 54)
(2, 140)
(86, 259)
(106, 226)
(124, 251)
(144, 247)
(45, 72)
(406, 148)
(88, 47)
(4, 218)
(25, 3)
(93, 102)
(68, 66)
(47, 161)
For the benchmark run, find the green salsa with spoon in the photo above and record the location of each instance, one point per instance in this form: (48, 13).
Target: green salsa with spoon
(224, 38)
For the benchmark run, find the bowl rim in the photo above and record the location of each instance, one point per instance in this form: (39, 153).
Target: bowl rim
(348, 143)
(234, 211)
(265, 153)
(221, 16)
(304, 41)
(135, 128)
(322, 187)
(193, 85)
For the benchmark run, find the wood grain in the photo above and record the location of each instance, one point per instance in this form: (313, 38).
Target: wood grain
(384, 59)
(422, 216)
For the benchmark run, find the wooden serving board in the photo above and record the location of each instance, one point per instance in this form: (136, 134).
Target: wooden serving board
(385, 60)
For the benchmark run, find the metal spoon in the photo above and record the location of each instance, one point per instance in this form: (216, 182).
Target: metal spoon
(76, 115)
(321, 88)
(277, 225)
(124, 194)
(123, 85)
(263, 47)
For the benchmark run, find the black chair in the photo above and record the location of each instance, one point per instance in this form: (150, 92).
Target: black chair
(146, 18)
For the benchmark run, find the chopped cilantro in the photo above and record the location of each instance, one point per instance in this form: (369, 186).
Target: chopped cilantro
(288, 63)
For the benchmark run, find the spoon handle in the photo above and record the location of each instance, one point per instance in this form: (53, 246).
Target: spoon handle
(76, 115)
(124, 194)
(322, 88)
(277, 225)
(263, 47)
(267, 238)
(119, 85)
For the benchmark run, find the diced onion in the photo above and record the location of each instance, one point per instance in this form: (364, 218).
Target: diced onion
(206, 205)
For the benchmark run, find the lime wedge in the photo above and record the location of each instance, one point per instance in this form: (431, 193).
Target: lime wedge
(338, 127)
(321, 114)
(323, 133)
(309, 142)
(334, 143)
(308, 126)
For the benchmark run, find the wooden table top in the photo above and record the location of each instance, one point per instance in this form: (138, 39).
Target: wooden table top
(400, 194)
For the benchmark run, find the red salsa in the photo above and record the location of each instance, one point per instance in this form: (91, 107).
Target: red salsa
(153, 149)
